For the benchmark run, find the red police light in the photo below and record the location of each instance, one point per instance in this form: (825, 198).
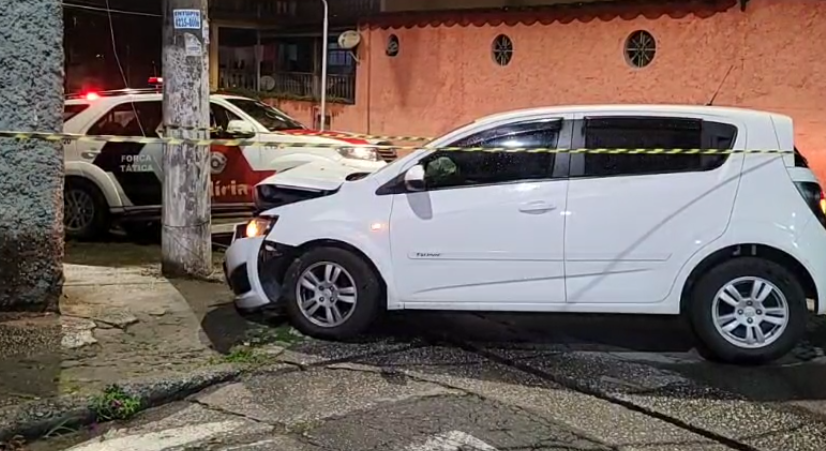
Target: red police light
(155, 80)
(90, 96)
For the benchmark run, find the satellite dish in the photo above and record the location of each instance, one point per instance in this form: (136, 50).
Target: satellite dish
(349, 39)
(267, 83)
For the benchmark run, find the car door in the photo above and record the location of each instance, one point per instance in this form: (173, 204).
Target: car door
(136, 167)
(486, 233)
(235, 169)
(634, 219)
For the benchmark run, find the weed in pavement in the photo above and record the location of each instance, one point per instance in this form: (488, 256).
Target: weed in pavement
(114, 404)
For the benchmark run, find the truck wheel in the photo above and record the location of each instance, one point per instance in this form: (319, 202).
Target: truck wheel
(748, 311)
(332, 293)
(85, 211)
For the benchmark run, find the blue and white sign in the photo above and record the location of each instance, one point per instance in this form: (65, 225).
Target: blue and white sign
(187, 19)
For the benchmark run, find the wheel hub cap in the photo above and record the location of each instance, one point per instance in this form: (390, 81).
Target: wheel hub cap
(326, 294)
(750, 312)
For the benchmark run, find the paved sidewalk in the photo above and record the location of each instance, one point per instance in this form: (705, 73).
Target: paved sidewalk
(120, 323)
(413, 396)
(423, 382)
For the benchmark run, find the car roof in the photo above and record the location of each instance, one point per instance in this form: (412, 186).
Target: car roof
(679, 110)
(108, 98)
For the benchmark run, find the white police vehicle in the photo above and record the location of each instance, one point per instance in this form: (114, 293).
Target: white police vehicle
(110, 181)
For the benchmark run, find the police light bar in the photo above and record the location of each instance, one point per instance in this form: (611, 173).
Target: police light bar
(156, 81)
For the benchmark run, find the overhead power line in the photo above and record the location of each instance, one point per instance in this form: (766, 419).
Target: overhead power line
(105, 10)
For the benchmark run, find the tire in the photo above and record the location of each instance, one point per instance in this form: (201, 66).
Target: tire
(705, 311)
(95, 222)
(355, 273)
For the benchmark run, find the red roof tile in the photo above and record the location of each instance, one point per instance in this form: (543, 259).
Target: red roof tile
(562, 13)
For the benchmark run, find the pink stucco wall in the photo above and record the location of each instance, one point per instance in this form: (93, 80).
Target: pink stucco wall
(444, 75)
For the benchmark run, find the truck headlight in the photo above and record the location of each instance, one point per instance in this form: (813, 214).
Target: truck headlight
(359, 153)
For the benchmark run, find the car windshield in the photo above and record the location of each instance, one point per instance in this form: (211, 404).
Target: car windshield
(423, 146)
(271, 118)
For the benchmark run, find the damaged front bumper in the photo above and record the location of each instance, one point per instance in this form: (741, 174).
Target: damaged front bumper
(254, 269)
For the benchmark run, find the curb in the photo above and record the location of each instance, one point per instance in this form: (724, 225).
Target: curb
(34, 419)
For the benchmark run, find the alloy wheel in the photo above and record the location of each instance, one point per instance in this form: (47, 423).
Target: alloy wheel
(326, 294)
(750, 312)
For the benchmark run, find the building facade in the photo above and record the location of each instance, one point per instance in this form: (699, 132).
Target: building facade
(429, 71)
(424, 69)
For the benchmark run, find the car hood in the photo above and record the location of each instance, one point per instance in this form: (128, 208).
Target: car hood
(314, 176)
(326, 137)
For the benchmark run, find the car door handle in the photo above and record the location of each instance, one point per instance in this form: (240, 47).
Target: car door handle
(538, 206)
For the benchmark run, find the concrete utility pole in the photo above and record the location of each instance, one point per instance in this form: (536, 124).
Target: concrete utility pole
(187, 239)
(31, 172)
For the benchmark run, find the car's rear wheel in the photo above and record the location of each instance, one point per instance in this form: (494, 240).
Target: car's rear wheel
(85, 211)
(748, 310)
(332, 293)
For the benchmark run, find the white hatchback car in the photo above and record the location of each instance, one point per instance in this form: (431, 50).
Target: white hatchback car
(734, 242)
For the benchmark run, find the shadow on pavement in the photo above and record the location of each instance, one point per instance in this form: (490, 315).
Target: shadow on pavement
(119, 250)
(30, 358)
(560, 337)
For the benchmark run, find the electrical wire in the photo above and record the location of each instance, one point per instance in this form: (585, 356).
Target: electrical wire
(108, 10)
(120, 66)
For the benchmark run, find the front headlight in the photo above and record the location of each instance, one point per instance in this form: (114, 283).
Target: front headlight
(359, 153)
(259, 226)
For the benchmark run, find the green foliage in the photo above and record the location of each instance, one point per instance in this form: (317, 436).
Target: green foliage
(114, 404)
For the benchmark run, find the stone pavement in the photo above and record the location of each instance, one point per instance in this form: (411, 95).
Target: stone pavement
(419, 396)
(120, 322)
(420, 382)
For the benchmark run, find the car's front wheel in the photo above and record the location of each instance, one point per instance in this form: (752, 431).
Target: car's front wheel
(748, 310)
(332, 293)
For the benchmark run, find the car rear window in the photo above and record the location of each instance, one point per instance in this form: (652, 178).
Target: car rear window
(70, 111)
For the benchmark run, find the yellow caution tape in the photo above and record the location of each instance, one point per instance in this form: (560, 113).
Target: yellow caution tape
(318, 133)
(68, 137)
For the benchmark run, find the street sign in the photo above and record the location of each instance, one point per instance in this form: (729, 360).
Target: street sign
(186, 19)
(452, 441)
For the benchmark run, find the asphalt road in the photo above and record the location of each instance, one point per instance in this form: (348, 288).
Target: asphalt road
(451, 382)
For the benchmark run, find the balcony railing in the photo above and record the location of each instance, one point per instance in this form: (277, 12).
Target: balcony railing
(301, 85)
(294, 12)
(253, 9)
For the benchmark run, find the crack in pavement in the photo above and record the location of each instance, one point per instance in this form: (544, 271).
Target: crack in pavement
(467, 392)
(575, 385)
(232, 413)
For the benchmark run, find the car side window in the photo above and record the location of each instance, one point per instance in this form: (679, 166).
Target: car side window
(653, 133)
(220, 116)
(130, 119)
(70, 111)
(450, 169)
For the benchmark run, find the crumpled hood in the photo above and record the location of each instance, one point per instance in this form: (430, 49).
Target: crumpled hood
(314, 176)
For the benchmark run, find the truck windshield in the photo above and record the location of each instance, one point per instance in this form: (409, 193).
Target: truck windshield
(271, 118)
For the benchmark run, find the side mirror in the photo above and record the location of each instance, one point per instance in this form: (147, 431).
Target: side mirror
(414, 178)
(240, 128)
